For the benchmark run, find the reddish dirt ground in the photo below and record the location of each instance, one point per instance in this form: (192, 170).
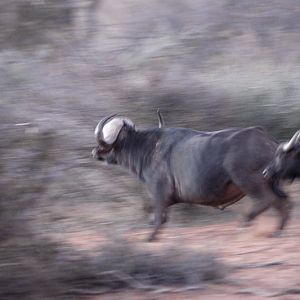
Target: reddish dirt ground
(262, 266)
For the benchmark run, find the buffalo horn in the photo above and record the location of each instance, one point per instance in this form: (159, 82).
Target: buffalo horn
(160, 119)
(98, 130)
(294, 140)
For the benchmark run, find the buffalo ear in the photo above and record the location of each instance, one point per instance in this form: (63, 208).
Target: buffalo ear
(297, 151)
(126, 129)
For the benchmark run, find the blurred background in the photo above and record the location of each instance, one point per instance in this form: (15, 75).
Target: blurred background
(64, 64)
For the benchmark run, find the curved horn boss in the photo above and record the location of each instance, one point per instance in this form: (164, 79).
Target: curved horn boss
(107, 132)
(99, 127)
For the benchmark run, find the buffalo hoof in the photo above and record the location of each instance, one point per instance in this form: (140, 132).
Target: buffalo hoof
(277, 234)
(245, 224)
(151, 238)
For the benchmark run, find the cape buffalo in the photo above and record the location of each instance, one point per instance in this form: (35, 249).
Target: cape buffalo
(285, 164)
(184, 165)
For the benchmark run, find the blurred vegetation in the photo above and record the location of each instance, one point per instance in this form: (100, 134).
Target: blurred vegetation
(209, 65)
(41, 269)
(65, 64)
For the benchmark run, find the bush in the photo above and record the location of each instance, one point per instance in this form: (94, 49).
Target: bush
(39, 268)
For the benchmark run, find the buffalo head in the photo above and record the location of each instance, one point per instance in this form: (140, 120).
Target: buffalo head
(112, 129)
(286, 161)
(108, 131)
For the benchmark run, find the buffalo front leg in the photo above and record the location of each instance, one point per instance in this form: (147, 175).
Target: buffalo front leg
(160, 194)
(160, 217)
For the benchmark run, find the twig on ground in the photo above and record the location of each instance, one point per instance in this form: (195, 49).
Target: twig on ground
(254, 266)
(134, 284)
(263, 293)
(255, 251)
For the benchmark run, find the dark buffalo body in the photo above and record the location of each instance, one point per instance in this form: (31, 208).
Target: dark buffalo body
(209, 168)
(196, 167)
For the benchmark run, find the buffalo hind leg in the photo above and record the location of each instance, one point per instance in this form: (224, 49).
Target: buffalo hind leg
(256, 211)
(284, 207)
(255, 187)
(263, 200)
(258, 189)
